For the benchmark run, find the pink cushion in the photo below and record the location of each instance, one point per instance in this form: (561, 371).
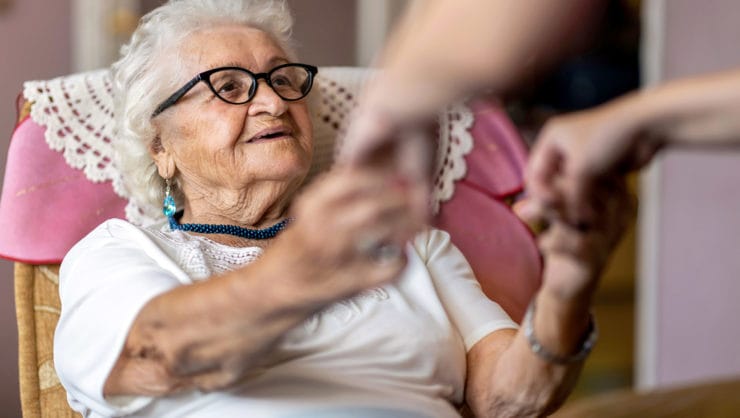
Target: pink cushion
(499, 247)
(46, 205)
(496, 163)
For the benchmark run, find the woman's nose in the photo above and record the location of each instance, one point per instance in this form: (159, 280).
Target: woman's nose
(267, 101)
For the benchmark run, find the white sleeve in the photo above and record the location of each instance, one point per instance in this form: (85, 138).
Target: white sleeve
(469, 309)
(104, 282)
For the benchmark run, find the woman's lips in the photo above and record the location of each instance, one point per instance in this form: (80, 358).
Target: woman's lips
(280, 132)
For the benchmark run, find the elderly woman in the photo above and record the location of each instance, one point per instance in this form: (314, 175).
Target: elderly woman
(250, 301)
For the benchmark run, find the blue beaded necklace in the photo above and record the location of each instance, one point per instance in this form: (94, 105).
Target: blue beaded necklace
(237, 231)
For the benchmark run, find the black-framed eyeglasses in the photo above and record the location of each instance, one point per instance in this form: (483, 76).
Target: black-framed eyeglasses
(237, 85)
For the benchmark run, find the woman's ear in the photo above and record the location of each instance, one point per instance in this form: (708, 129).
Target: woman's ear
(162, 158)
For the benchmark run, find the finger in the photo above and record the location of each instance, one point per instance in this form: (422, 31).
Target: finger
(620, 210)
(543, 167)
(369, 242)
(532, 213)
(539, 213)
(562, 238)
(368, 210)
(581, 189)
(414, 156)
(384, 217)
(577, 202)
(368, 131)
(420, 197)
(414, 162)
(343, 184)
(584, 196)
(215, 380)
(381, 271)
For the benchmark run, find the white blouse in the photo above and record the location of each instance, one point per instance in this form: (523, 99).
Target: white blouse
(398, 350)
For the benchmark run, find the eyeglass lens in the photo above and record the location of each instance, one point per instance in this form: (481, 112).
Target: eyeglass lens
(236, 86)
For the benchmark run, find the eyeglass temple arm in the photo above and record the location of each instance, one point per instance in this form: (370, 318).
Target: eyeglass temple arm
(177, 95)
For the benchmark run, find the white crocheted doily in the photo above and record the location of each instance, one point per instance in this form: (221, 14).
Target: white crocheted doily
(77, 112)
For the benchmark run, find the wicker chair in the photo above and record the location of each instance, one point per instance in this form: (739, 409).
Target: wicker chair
(37, 308)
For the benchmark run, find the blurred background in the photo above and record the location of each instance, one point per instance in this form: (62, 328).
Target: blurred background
(667, 305)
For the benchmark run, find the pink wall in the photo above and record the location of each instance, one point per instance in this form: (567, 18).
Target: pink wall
(325, 31)
(34, 43)
(699, 261)
(699, 219)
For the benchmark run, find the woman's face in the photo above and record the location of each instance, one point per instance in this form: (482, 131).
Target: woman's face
(215, 148)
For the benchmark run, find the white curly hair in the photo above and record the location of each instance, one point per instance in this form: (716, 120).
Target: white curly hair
(141, 81)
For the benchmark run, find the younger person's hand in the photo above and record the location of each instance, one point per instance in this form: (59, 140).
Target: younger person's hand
(575, 152)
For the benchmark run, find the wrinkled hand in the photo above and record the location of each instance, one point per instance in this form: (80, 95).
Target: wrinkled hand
(349, 233)
(575, 152)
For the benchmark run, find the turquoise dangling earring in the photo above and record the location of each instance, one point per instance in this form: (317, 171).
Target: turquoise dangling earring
(168, 207)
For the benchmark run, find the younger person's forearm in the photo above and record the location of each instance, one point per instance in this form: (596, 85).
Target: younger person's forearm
(449, 49)
(697, 111)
